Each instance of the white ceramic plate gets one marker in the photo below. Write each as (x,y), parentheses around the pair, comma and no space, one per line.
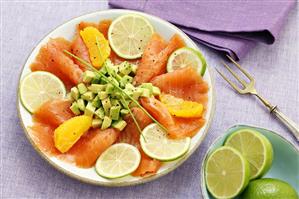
(67,30)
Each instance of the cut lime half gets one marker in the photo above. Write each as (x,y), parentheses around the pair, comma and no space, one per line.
(185,57)
(129,34)
(255,147)
(156,144)
(118,160)
(38,87)
(227,173)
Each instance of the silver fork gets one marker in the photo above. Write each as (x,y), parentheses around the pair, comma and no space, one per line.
(248,88)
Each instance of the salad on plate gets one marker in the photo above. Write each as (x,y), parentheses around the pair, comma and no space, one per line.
(117,97)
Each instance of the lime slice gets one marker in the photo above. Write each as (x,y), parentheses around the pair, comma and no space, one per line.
(118,160)
(156,144)
(255,147)
(184,57)
(129,34)
(38,87)
(227,172)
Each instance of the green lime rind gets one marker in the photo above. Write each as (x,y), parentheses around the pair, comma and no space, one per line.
(245,172)
(195,52)
(179,151)
(203,60)
(267,147)
(121,147)
(20,89)
(268,188)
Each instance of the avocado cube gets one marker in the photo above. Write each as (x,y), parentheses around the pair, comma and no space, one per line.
(102,95)
(96,102)
(88,76)
(113,80)
(148,86)
(88,96)
(95,88)
(96,123)
(109,88)
(124,112)
(69,97)
(106,122)
(114,112)
(75,108)
(130,87)
(116,94)
(126,79)
(145,92)
(106,104)
(100,113)
(125,68)
(89,110)
(81,104)
(120,124)
(115,102)
(156,91)
(75,93)
(96,80)
(134,68)
(82,88)
(137,93)
(103,70)
(125,103)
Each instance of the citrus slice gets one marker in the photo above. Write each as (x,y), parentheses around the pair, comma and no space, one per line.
(255,147)
(129,34)
(156,144)
(38,87)
(118,160)
(70,131)
(184,57)
(98,46)
(227,172)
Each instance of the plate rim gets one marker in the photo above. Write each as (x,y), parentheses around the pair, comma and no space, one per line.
(202,174)
(111,183)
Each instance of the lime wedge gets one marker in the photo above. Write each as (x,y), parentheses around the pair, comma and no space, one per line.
(118,160)
(184,57)
(38,87)
(255,147)
(226,172)
(156,144)
(129,34)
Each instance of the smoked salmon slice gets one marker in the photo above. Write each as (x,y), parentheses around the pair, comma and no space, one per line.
(54,112)
(90,146)
(52,59)
(155,56)
(43,136)
(184,83)
(131,136)
(177,127)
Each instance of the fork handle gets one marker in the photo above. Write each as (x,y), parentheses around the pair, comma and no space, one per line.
(290,124)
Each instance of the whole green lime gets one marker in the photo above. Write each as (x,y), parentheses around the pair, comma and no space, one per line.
(268,188)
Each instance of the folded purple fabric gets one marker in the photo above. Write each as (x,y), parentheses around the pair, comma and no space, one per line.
(232,27)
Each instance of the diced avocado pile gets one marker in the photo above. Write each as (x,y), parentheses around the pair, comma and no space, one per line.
(102,101)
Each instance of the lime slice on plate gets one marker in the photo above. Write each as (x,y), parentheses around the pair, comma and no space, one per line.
(184,57)
(227,172)
(129,34)
(156,144)
(255,147)
(38,87)
(118,160)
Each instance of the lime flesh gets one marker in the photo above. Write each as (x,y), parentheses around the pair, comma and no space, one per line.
(255,147)
(226,172)
(38,87)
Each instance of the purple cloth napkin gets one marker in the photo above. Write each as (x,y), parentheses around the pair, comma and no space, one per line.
(232,27)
